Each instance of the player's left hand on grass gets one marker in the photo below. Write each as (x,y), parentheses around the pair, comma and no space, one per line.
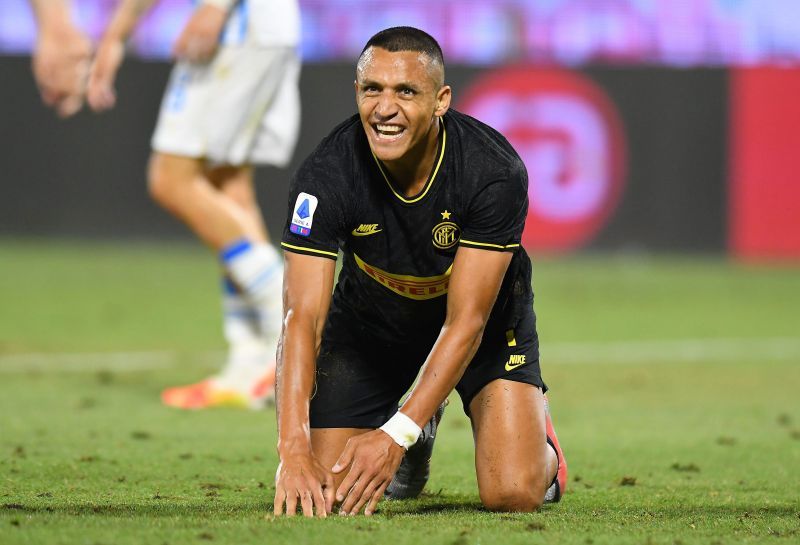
(199,38)
(372,459)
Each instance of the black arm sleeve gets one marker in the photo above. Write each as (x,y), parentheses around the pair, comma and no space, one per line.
(496,214)
(318,206)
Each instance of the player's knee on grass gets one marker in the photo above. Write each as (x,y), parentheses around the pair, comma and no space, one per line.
(521,493)
(513,501)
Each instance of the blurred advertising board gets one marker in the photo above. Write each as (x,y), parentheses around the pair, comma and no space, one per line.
(619,159)
(764,217)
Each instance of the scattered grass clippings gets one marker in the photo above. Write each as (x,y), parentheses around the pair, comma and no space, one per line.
(727,441)
(784,419)
(627,481)
(140,435)
(461,539)
(104,377)
(86,403)
(685,467)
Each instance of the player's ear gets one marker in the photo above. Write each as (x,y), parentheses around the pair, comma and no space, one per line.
(443,100)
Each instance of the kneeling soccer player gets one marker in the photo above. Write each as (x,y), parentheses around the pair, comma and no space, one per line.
(428,207)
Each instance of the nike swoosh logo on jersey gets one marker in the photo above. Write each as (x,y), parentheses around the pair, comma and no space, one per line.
(515,361)
(366,229)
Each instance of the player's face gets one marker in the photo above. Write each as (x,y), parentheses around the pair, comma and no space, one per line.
(400,99)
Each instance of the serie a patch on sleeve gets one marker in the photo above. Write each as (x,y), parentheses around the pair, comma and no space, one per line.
(303,215)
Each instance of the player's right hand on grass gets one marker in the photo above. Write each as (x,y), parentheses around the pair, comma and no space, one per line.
(371,460)
(100,93)
(301,477)
(60,65)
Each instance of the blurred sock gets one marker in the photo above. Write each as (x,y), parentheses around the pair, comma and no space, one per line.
(257,270)
(250,355)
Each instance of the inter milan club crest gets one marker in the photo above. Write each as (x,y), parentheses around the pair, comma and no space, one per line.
(446,234)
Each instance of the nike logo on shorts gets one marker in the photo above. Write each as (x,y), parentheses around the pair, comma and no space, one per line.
(514,361)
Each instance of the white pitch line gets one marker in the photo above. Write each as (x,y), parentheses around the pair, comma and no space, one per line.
(632,351)
(87,362)
(674,350)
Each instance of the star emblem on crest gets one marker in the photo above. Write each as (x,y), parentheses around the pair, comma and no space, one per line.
(446,215)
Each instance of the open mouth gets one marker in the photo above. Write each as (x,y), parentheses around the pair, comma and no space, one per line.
(388,133)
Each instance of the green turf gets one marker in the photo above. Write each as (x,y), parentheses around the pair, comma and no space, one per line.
(704,449)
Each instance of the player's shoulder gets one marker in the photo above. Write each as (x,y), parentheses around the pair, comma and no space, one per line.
(340,144)
(333,157)
(483,151)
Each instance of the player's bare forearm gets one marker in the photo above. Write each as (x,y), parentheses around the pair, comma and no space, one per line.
(474,284)
(60,60)
(295,380)
(125,18)
(51,11)
(308,283)
(301,479)
(373,457)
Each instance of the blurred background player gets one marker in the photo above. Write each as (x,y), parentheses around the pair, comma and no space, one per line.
(61,58)
(232,100)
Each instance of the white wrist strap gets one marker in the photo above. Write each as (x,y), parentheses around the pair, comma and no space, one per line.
(224,5)
(402,429)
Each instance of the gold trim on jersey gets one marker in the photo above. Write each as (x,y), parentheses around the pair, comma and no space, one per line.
(489,245)
(430,181)
(419,288)
(302,249)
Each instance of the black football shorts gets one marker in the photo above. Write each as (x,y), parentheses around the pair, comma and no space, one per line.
(359,384)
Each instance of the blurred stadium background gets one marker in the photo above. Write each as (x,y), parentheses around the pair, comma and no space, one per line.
(662,145)
(646,125)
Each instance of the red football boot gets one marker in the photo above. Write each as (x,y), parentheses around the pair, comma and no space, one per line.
(559,485)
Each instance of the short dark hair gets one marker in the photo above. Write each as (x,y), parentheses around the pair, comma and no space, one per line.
(406,38)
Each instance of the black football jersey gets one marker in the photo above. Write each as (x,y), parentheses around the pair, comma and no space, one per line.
(398,251)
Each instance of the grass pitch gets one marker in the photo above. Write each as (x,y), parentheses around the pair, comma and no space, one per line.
(674,391)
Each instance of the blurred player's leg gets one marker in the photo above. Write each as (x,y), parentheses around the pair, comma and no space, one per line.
(514,462)
(218,204)
(182,186)
(251,320)
(207,135)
